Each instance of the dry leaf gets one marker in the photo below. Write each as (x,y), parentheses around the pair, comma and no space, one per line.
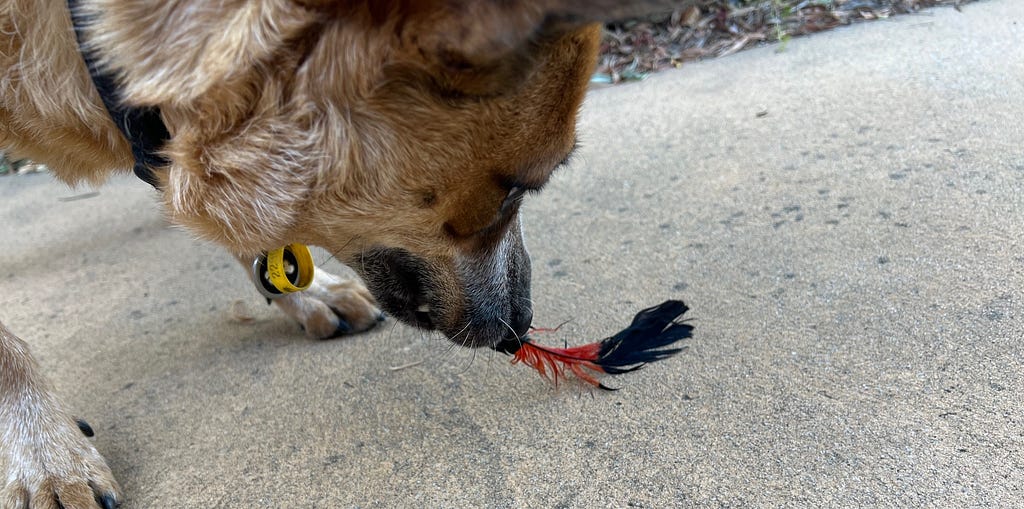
(691,16)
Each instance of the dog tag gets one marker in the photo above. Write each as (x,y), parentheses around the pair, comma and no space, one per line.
(282,271)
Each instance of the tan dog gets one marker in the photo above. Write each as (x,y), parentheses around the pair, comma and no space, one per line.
(399,135)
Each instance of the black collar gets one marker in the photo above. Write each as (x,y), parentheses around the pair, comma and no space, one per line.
(142,127)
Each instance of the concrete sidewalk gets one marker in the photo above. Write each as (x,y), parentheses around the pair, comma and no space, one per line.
(854,261)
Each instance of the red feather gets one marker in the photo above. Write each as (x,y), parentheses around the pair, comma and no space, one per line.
(551,362)
(645,340)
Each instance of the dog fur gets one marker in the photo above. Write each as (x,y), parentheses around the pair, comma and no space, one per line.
(400,135)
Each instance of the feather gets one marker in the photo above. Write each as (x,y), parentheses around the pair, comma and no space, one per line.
(649,338)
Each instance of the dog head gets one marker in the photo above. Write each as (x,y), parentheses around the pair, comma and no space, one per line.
(400,135)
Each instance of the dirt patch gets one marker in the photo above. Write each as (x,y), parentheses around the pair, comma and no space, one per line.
(635,48)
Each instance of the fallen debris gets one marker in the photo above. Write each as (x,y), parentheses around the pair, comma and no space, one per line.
(713,28)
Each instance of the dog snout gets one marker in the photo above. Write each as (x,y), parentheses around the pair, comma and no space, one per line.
(497,283)
(478,300)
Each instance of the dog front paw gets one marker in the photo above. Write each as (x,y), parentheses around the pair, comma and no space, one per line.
(47,463)
(332,307)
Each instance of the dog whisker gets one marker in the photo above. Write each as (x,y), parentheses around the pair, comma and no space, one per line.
(391,333)
(463,329)
(464,342)
(507,326)
(453,345)
(334,254)
(472,357)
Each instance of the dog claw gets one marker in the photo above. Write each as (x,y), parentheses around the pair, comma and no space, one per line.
(343,327)
(108,501)
(84,427)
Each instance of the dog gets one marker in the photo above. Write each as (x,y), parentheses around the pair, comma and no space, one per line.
(400,135)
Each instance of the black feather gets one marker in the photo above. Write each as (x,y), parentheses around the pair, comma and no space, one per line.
(646,339)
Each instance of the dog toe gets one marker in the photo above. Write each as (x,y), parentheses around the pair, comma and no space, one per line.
(59,493)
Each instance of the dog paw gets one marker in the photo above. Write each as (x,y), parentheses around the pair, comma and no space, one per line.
(47,463)
(332,307)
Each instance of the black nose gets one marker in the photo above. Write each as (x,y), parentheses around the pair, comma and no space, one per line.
(522,319)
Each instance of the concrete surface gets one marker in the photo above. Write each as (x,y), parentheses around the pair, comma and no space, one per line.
(853,259)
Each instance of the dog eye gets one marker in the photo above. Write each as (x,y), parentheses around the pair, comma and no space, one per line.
(515,194)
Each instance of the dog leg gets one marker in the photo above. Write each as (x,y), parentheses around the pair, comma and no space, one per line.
(45,461)
(332,306)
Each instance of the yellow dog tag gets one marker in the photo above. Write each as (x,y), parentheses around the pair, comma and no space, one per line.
(282,271)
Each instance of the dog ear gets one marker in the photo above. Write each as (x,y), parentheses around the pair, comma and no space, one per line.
(478,27)
(588,11)
(171,52)
(477,47)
